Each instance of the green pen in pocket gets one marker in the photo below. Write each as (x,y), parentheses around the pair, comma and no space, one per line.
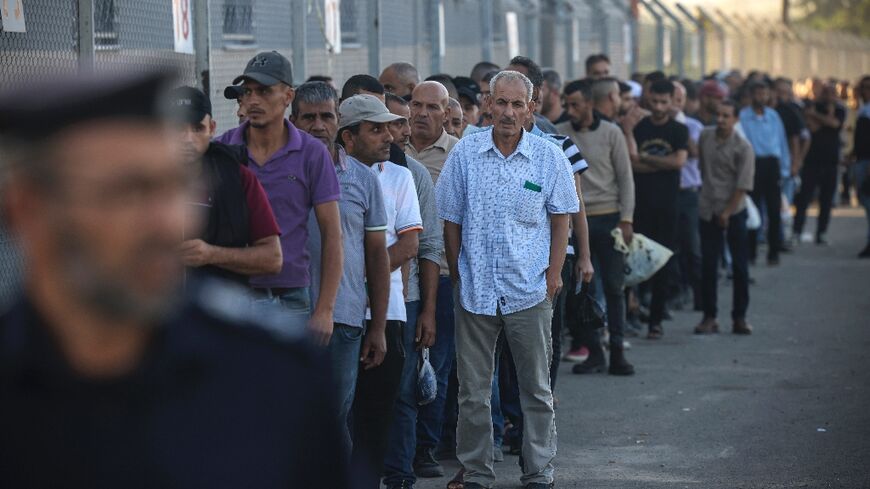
(531,186)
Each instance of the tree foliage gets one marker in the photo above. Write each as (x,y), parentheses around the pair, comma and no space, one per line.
(843,15)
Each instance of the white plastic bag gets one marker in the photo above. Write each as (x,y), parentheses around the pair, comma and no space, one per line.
(643,257)
(753,217)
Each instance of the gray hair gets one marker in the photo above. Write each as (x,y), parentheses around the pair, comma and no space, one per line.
(552,79)
(602,88)
(405,71)
(314,93)
(510,76)
(453,103)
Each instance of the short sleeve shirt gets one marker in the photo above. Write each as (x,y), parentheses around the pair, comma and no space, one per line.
(825,143)
(362,211)
(433,156)
(660,140)
(298,177)
(726,166)
(503,204)
(403,216)
(261,220)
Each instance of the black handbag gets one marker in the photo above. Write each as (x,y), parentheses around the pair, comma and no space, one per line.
(590,312)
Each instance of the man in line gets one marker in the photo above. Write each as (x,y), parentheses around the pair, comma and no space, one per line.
(365,275)
(727,166)
(710,95)
(766,133)
(469,99)
(114,374)
(688,252)
(400,79)
(609,203)
(298,175)
(364,134)
(430,144)
(420,303)
(597,66)
(453,121)
(795,130)
(481,69)
(605,96)
(531,70)
(240,238)
(825,119)
(551,97)
(506,262)
(662,149)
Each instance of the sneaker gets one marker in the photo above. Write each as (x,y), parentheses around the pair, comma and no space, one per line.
(865,253)
(497,453)
(822,240)
(578,355)
(806,237)
(425,465)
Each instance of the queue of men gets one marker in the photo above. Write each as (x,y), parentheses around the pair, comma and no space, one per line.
(454,221)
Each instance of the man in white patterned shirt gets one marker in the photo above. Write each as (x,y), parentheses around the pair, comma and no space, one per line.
(505,196)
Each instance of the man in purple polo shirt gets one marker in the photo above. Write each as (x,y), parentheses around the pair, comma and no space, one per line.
(297,173)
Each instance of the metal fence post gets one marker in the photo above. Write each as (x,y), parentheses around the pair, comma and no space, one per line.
(680,47)
(86,35)
(702,37)
(625,7)
(722,38)
(486,29)
(600,20)
(299,40)
(532,29)
(373,13)
(200,42)
(435,35)
(660,35)
(567,13)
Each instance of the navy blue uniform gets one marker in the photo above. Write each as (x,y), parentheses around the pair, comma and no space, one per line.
(216,402)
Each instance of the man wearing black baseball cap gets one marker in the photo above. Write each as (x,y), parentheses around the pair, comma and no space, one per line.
(240,238)
(469,98)
(298,174)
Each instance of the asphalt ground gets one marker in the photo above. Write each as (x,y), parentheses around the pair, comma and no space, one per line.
(786,407)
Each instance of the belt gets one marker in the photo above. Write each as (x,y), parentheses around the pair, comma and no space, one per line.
(271,291)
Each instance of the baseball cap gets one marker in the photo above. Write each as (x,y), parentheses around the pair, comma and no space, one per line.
(188,104)
(712,88)
(359,108)
(267,68)
(466,87)
(636,88)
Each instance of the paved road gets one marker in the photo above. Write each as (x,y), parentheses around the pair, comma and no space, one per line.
(786,407)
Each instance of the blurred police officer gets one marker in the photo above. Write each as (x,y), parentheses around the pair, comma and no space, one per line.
(240,238)
(109,376)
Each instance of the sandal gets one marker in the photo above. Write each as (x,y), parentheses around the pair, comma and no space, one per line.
(655,332)
(458,480)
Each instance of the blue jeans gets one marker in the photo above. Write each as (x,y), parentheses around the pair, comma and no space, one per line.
(344,350)
(398,462)
(290,310)
(861,172)
(430,418)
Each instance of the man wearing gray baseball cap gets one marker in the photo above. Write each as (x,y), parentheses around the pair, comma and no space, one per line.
(365,136)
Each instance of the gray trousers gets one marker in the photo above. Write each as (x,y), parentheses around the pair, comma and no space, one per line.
(529,336)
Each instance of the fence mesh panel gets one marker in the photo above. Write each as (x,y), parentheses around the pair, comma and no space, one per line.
(48,47)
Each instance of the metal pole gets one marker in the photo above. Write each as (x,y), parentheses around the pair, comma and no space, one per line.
(681,48)
(200,41)
(568,15)
(600,21)
(702,37)
(722,37)
(737,29)
(373,14)
(532,24)
(660,35)
(435,30)
(299,40)
(625,7)
(548,33)
(86,35)
(486,29)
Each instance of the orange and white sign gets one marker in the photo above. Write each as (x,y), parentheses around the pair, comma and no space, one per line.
(12,13)
(182,25)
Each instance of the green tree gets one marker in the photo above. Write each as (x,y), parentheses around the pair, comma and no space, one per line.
(843,15)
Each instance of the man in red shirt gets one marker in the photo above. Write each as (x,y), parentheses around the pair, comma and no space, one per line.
(240,238)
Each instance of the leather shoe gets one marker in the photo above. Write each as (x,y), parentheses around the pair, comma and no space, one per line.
(741,327)
(707,326)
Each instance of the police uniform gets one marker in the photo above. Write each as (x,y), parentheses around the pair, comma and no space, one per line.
(218,400)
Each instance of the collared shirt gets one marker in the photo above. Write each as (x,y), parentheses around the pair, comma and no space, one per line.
(214,397)
(766,134)
(726,166)
(503,204)
(567,145)
(690,176)
(403,216)
(298,177)
(434,155)
(362,211)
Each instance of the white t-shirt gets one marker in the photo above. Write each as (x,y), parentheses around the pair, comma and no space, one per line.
(403,216)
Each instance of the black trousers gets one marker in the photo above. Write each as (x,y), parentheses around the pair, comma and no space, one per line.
(767,191)
(376,392)
(712,245)
(821,175)
(655,216)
